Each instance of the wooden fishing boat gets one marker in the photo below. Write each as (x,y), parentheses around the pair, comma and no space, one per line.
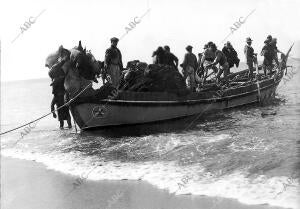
(131,108)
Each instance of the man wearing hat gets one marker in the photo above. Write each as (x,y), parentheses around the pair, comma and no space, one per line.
(189,66)
(250,56)
(267,53)
(113,62)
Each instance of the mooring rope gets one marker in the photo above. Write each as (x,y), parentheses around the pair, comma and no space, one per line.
(66,104)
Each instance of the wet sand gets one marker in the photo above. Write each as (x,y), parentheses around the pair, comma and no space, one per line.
(30,185)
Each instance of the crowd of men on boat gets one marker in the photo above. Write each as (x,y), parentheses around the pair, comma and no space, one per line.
(220,61)
(193,68)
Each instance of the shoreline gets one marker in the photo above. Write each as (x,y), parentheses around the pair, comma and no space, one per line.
(29,184)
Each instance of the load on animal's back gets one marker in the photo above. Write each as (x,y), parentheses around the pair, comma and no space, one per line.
(84,60)
(78,67)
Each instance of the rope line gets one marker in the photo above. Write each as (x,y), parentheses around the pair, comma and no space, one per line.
(66,104)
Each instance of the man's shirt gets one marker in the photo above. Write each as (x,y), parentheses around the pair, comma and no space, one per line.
(190,60)
(113,56)
(249,53)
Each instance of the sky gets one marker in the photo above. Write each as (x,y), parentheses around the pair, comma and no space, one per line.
(176,23)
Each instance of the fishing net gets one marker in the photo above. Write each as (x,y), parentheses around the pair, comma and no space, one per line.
(141,77)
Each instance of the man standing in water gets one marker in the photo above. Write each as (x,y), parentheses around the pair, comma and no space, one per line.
(58,91)
(63,113)
(250,57)
(113,62)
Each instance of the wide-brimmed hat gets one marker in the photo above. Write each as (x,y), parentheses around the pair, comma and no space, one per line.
(205,46)
(114,39)
(188,47)
(248,39)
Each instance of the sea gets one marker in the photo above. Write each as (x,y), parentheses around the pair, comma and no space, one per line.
(249,153)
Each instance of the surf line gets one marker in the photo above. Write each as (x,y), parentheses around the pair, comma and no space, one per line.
(43,116)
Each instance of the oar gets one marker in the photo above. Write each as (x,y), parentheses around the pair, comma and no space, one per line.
(257,82)
(75,125)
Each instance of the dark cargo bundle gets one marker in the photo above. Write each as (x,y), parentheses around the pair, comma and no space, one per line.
(141,77)
(133,76)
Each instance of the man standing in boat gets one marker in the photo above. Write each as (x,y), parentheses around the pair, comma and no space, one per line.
(189,66)
(170,58)
(200,72)
(113,62)
(207,58)
(266,52)
(220,59)
(250,57)
(231,55)
(275,50)
(159,56)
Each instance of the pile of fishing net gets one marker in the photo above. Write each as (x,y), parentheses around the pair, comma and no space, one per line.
(140,77)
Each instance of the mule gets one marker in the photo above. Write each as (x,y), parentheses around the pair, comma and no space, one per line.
(70,62)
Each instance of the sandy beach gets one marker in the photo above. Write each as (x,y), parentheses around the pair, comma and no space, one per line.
(29,185)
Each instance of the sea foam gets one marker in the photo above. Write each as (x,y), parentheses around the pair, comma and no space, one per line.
(193,179)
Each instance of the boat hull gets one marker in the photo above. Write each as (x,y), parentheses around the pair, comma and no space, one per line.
(120,112)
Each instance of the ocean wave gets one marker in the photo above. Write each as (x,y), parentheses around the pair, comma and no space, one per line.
(191,179)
